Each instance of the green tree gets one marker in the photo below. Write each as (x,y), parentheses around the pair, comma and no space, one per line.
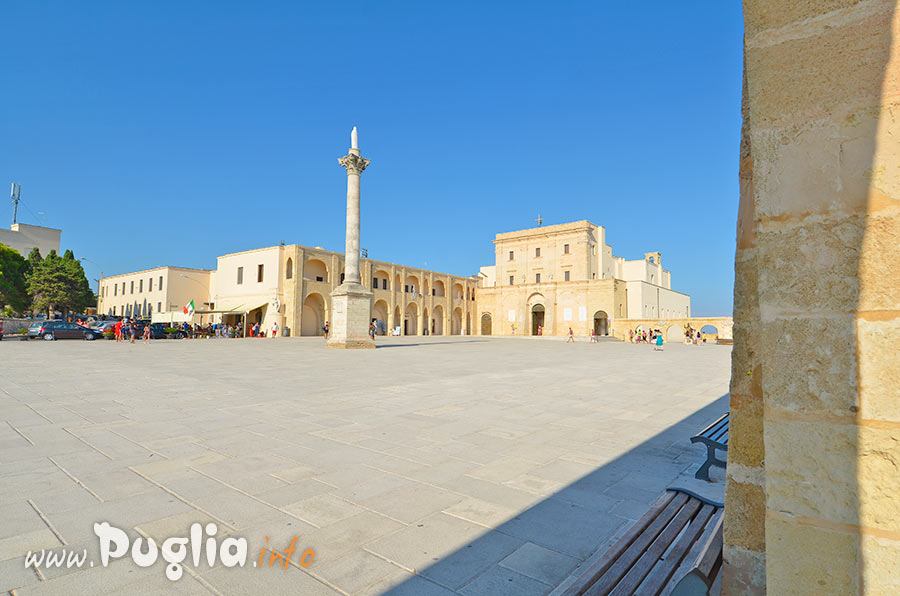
(34,258)
(13,271)
(59,283)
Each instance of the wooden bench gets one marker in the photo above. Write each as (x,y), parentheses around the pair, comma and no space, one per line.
(675,549)
(715,437)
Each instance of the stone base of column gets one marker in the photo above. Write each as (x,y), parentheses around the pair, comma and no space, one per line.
(351,309)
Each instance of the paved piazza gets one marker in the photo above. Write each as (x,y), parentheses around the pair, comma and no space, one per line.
(430,466)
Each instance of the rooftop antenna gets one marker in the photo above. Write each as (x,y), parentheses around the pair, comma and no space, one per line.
(14,193)
(539,220)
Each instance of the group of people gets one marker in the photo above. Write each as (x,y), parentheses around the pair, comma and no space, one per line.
(647,337)
(128,328)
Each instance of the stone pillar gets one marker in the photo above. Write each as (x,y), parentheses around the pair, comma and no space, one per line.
(351,302)
(812,510)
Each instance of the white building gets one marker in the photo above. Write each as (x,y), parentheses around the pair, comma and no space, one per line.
(23,237)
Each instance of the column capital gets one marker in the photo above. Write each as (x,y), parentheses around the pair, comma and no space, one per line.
(353,163)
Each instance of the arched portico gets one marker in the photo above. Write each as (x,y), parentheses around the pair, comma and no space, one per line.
(315,270)
(312,318)
(380,314)
(437,322)
(411,319)
(456,321)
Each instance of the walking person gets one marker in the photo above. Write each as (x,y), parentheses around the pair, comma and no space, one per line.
(131,332)
(593,337)
(571,338)
(659,342)
(274,330)
(325,329)
(118,330)
(372,330)
(146,334)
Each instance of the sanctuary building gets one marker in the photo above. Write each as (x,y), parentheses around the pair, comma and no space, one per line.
(543,281)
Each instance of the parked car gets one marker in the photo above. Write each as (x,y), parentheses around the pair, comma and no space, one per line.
(158,331)
(34,329)
(51,330)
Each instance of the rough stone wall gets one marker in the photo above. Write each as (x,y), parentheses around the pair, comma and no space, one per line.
(817,304)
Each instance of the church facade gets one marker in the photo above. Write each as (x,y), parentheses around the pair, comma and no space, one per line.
(549,279)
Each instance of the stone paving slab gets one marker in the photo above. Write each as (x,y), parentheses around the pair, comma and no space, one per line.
(436,466)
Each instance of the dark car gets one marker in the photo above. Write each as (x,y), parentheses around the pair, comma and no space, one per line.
(52,330)
(158,331)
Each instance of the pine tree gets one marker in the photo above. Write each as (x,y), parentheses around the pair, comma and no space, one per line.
(13,271)
(59,283)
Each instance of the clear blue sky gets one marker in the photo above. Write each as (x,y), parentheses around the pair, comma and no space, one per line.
(167,133)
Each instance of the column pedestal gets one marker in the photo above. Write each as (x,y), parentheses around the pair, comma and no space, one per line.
(351,308)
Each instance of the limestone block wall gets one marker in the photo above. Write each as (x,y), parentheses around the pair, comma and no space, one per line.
(814,454)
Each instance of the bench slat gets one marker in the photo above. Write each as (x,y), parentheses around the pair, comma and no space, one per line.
(697,550)
(712,556)
(618,568)
(599,567)
(722,421)
(652,555)
(655,582)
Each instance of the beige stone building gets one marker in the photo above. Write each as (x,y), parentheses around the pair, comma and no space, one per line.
(23,237)
(562,276)
(291,286)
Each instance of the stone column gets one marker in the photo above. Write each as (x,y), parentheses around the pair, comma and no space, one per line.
(351,302)
(812,508)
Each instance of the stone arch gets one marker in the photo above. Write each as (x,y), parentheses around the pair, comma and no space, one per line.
(675,333)
(426,322)
(486,324)
(413,283)
(289,269)
(411,319)
(398,318)
(601,323)
(397,285)
(380,275)
(437,323)
(456,321)
(315,270)
(313,317)
(709,333)
(439,288)
(380,314)
(425,288)
(458,292)
(538,312)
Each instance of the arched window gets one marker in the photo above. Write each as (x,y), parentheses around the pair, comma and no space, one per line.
(289,274)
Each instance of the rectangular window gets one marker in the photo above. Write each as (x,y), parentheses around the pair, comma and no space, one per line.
(320,278)
(159,307)
(566,275)
(141,286)
(160,282)
(150,283)
(433,292)
(511,279)
(406,288)
(116,290)
(537,252)
(537,278)
(259,273)
(565,249)
(114,311)
(149,309)
(384,284)
(511,255)
(132,287)
(240,278)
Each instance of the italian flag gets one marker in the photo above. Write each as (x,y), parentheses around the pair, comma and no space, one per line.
(189,308)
